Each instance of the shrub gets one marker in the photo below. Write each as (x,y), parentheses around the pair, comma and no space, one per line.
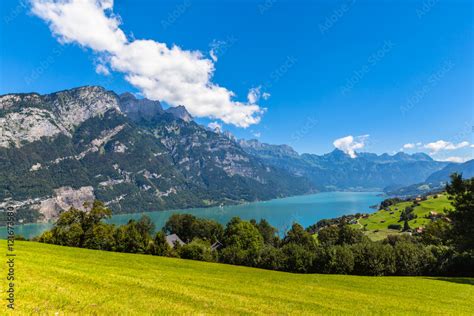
(297,258)
(372,258)
(271,258)
(341,260)
(395,226)
(197,250)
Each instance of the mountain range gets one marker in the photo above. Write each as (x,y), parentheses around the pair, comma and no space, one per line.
(66,148)
(339,171)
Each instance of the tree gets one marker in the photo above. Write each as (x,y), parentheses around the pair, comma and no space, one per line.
(461,194)
(340,259)
(406,226)
(160,246)
(132,238)
(298,235)
(243,243)
(329,236)
(349,235)
(188,227)
(100,237)
(437,233)
(268,232)
(271,258)
(198,250)
(373,258)
(297,258)
(408,259)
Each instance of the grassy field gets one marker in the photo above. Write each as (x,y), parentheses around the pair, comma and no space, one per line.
(52,279)
(377,223)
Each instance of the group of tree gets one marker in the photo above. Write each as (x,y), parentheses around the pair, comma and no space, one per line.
(444,248)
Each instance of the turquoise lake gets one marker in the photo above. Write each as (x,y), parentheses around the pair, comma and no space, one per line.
(281,213)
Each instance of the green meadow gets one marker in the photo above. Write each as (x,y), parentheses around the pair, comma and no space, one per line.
(377,223)
(53,279)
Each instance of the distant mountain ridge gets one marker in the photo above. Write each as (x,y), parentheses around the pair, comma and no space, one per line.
(436,181)
(338,171)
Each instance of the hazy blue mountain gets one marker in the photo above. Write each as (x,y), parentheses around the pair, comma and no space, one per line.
(442,176)
(338,171)
(436,181)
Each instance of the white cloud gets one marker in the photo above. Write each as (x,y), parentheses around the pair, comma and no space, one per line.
(442,145)
(257,134)
(409,146)
(213,55)
(102,70)
(456,159)
(256,93)
(169,74)
(215,126)
(350,144)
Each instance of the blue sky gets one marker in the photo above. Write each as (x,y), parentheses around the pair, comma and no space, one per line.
(399,71)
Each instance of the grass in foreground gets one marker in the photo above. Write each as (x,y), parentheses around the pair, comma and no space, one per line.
(377,223)
(53,279)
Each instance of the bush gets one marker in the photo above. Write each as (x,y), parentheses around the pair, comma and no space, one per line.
(197,250)
(372,258)
(297,258)
(408,259)
(328,236)
(271,258)
(395,226)
(340,260)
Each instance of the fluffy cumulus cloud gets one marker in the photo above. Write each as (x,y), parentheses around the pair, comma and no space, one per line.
(442,145)
(160,72)
(102,70)
(215,126)
(350,144)
(256,93)
(409,146)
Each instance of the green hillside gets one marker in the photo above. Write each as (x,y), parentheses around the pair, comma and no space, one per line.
(52,279)
(378,222)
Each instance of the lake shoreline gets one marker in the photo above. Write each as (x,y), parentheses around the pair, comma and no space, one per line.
(280,212)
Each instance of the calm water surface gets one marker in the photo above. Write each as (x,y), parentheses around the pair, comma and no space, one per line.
(281,213)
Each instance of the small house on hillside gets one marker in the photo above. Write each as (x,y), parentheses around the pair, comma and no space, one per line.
(173,240)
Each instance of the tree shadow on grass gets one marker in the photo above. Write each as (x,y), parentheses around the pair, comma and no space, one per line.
(459,280)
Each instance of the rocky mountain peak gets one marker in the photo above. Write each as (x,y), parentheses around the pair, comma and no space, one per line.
(29,117)
(180,112)
(139,109)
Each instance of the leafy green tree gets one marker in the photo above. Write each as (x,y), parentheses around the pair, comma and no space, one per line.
(268,232)
(298,235)
(406,226)
(461,194)
(243,243)
(408,259)
(160,246)
(329,236)
(297,258)
(437,233)
(340,259)
(350,236)
(188,227)
(373,258)
(130,238)
(271,258)
(100,237)
(198,250)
